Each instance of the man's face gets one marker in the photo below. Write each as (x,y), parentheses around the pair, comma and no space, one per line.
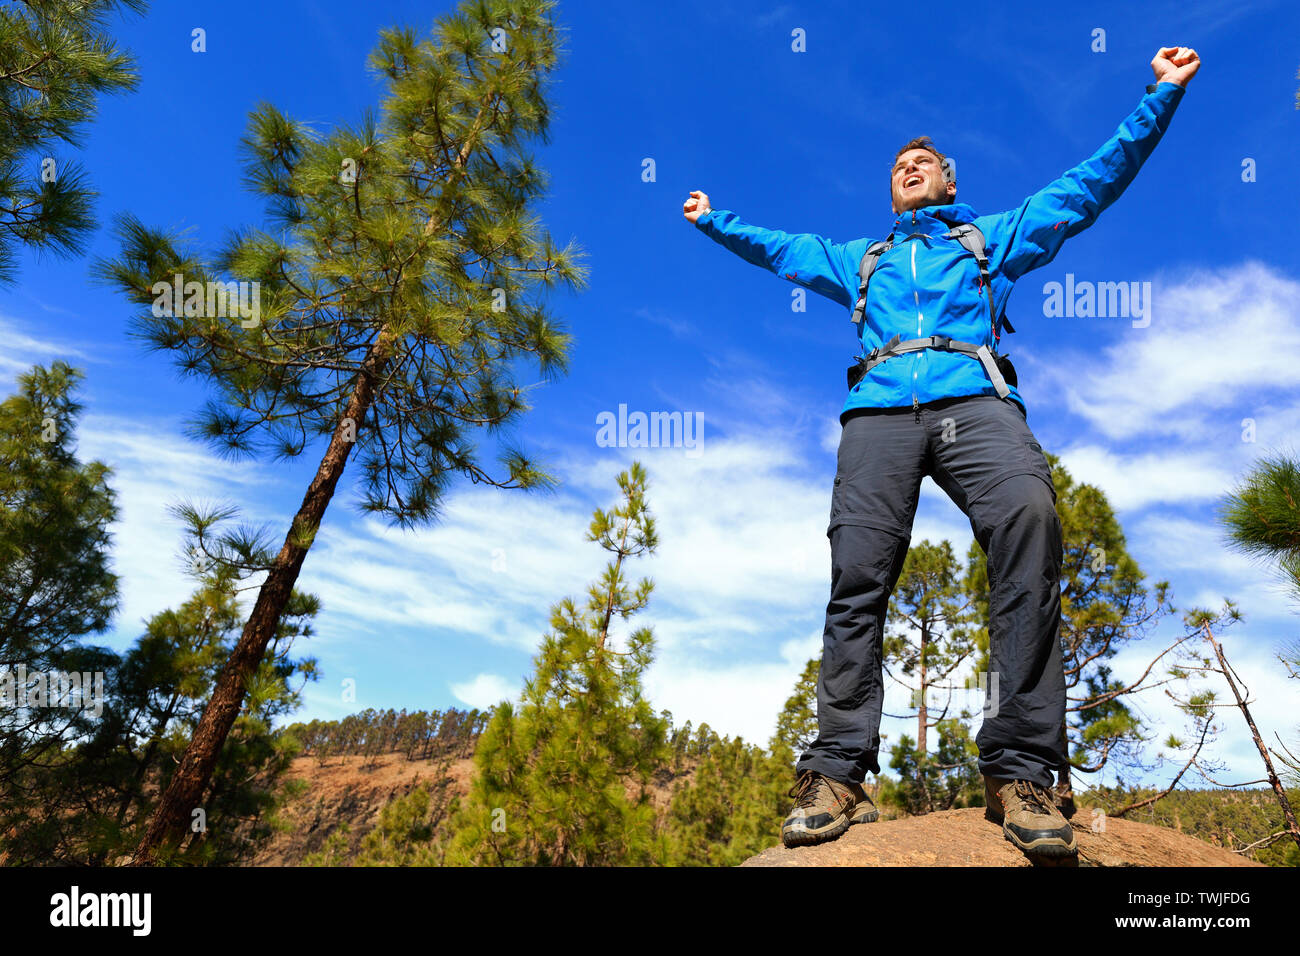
(917,181)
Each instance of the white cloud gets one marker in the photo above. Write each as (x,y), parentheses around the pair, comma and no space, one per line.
(1216,338)
(1133,481)
(485,691)
(742,700)
(829,439)
(738,700)
(1201,549)
(153,467)
(490,568)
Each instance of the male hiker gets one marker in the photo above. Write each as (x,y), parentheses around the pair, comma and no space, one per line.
(930,396)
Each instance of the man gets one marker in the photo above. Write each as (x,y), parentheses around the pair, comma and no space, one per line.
(932,398)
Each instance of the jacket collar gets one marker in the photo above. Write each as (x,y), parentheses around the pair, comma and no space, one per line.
(931,220)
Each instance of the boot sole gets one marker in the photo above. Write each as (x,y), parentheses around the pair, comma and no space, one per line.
(1051,847)
(800,835)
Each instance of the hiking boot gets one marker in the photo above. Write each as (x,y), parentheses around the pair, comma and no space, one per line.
(825,808)
(1029,817)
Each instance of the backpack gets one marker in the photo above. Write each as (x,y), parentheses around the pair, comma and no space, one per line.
(999,367)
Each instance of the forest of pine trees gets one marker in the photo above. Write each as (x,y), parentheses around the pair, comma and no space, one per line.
(418,735)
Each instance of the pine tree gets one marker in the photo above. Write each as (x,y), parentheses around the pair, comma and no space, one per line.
(1262,516)
(401,280)
(405,835)
(563,776)
(89,804)
(55,582)
(931,636)
(796,725)
(730,809)
(56,58)
(949,777)
(732,806)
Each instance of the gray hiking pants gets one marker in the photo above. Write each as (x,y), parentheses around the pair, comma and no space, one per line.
(980,451)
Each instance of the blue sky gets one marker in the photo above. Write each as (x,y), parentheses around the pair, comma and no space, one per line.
(714,94)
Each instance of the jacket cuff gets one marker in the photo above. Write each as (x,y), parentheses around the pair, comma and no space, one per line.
(1165,89)
(709,219)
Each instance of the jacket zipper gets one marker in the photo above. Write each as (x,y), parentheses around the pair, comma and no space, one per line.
(916,298)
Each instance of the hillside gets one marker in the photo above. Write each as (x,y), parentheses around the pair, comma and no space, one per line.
(354,789)
(351,790)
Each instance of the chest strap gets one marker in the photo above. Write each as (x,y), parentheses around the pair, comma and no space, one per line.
(898,346)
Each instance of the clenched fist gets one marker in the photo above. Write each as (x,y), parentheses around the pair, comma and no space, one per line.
(1175,64)
(696,206)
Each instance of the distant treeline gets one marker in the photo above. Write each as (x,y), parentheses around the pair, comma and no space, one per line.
(418,735)
(429,734)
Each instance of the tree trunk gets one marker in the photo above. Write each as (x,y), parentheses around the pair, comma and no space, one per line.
(1064,795)
(185,791)
(923,714)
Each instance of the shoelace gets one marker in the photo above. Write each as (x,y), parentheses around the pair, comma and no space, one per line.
(1035,797)
(806,789)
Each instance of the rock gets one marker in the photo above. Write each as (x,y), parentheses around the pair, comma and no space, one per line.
(965,838)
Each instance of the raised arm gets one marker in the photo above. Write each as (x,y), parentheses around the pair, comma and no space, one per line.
(1032,234)
(827,268)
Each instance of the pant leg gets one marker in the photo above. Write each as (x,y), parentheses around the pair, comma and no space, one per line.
(882,459)
(988,461)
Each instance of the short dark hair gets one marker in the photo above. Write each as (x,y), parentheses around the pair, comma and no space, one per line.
(924,142)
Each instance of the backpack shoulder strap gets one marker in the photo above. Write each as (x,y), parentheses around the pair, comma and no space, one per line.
(969,235)
(865,268)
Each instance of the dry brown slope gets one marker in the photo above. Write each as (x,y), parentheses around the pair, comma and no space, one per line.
(354,789)
(965,838)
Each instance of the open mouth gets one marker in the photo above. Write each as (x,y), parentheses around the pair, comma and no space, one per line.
(911,181)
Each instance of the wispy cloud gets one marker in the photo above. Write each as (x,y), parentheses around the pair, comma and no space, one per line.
(153,466)
(680,328)
(20,349)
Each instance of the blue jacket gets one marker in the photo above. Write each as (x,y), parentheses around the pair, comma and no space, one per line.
(927,285)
